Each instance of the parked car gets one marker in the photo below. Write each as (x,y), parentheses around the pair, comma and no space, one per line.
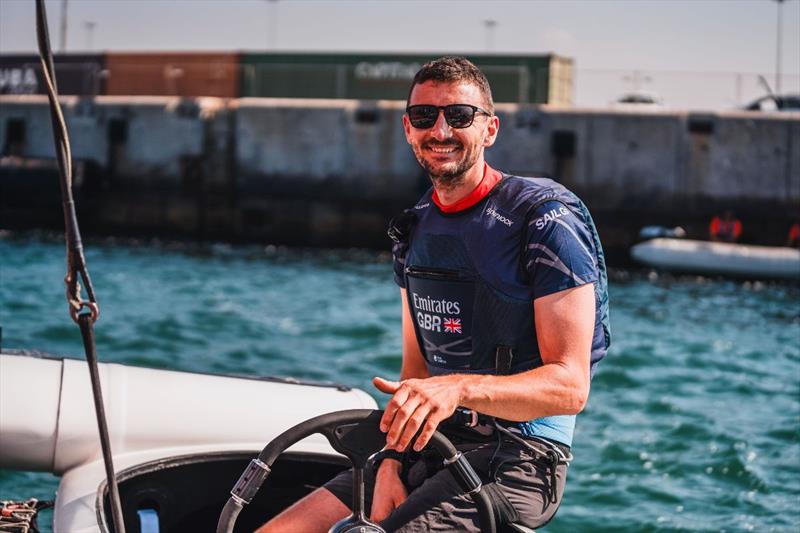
(773,103)
(639,100)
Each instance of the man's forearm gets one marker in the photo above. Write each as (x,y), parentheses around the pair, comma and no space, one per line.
(549,390)
(413,364)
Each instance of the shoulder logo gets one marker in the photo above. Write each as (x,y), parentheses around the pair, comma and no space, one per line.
(422,206)
(492,212)
(551,215)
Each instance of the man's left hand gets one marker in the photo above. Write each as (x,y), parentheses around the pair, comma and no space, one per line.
(415,404)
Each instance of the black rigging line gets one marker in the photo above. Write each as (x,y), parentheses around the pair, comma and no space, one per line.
(76,263)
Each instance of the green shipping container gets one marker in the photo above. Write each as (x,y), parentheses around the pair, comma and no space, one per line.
(544,79)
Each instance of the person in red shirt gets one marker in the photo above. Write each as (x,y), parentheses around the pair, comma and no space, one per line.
(727,228)
(794,236)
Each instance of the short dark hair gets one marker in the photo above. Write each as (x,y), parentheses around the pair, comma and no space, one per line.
(452,69)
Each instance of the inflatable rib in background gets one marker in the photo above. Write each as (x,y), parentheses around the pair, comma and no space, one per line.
(716,258)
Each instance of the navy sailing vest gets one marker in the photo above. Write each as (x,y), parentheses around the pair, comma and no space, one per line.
(469,292)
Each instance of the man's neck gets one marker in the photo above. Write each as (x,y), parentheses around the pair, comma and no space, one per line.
(472,177)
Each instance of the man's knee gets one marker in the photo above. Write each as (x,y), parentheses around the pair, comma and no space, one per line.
(317,511)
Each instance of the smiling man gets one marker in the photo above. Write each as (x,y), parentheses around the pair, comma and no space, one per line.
(504,317)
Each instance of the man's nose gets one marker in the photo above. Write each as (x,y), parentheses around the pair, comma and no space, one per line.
(441,129)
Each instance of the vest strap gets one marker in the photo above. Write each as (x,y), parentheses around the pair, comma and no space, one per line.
(503,358)
(504,511)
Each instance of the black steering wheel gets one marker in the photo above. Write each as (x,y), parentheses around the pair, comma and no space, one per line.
(355,434)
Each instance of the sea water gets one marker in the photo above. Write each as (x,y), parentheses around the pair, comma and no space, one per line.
(693,422)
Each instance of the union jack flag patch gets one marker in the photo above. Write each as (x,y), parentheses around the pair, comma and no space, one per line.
(452,325)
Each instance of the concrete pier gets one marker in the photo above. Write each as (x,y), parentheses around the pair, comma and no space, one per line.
(332,172)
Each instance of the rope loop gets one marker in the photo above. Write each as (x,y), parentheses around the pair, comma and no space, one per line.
(75,312)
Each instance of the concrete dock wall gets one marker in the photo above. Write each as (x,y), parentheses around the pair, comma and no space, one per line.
(141,138)
(318,172)
(323,147)
(658,159)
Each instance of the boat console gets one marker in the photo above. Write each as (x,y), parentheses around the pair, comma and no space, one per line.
(186,493)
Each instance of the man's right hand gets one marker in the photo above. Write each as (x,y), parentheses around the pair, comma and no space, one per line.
(389,490)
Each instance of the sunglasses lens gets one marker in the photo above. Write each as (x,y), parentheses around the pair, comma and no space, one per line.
(423,116)
(456,115)
(459,116)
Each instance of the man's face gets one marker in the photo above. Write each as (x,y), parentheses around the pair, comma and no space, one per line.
(444,152)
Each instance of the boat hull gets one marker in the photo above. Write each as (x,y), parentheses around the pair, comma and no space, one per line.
(47,421)
(719,258)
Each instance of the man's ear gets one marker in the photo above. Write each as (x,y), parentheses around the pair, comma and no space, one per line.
(407,128)
(492,129)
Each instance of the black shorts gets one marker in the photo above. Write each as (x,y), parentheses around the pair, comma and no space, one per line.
(436,502)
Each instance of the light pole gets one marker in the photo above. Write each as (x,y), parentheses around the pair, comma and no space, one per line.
(62,41)
(778,46)
(89,26)
(490,25)
(272,24)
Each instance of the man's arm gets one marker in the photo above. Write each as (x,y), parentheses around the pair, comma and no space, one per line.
(389,491)
(413,361)
(564,329)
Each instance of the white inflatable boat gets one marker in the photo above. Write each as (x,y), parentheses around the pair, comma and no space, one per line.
(180,440)
(719,258)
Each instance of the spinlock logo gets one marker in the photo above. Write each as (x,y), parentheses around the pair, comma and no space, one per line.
(492,212)
(551,215)
(422,206)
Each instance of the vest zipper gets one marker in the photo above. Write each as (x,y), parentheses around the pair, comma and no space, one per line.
(435,273)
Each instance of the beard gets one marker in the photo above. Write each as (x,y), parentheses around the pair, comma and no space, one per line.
(448,175)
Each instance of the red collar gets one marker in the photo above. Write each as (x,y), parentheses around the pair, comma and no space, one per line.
(490,178)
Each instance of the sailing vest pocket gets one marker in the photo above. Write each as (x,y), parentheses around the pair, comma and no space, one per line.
(441,303)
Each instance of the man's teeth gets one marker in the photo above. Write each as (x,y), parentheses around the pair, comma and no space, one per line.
(443,150)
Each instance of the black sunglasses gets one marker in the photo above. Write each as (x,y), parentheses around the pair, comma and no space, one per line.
(457,115)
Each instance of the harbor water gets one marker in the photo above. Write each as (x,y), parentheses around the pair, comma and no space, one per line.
(693,422)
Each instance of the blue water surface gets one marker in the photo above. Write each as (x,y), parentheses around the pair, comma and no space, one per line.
(693,422)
